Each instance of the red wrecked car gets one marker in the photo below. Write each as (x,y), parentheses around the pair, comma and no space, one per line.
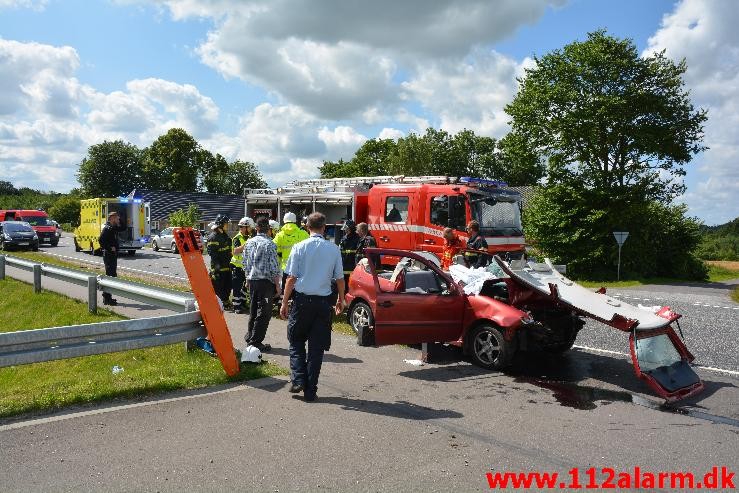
(495,311)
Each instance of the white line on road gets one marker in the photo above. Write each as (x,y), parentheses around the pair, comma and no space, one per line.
(706,368)
(120,266)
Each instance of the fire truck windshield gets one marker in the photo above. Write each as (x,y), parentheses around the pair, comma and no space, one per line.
(498,216)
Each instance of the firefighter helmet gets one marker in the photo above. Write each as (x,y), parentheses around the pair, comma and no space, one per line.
(289,217)
(247,221)
(221,219)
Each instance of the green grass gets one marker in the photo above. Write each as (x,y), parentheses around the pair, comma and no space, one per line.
(735,294)
(55,384)
(715,274)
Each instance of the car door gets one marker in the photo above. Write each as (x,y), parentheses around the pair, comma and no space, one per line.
(661,359)
(167,237)
(426,306)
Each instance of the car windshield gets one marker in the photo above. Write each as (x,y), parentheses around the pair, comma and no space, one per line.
(37,221)
(497,216)
(17,227)
(656,352)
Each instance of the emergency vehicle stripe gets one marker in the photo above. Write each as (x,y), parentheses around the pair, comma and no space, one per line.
(439,232)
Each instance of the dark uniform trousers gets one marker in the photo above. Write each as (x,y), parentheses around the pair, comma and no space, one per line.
(261,296)
(309,321)
(237,286)
(110,260)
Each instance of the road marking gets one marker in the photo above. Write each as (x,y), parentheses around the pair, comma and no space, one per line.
(181,278)
(706,368)
(249,385)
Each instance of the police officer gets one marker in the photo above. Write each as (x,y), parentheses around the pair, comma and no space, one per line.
(219,249)
(348,247)
(312,265)
(246,225)
(475,242)
(109,245)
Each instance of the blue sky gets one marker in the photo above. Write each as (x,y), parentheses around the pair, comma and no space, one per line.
(286,84)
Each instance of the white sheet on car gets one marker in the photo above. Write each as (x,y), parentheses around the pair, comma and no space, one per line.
(473,279)
(540,275)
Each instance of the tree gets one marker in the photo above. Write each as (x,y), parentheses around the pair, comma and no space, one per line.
(616,130)
(517,162)
(234,178)
(185,217)
(371,159)
(173,162)
(609,120)
(111,169)
(7,188)
(66,210)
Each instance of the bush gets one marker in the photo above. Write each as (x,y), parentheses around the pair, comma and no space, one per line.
(576,227)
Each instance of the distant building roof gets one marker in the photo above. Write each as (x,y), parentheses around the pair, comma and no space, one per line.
(163,203)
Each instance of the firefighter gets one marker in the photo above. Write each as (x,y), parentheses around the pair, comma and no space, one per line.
(246,226)
(366,240)
(274,228)
(475,242)
(289,235)
(219,249)
(348,247)
(452,246)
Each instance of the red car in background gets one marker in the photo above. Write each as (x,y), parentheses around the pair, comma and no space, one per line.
(521,306)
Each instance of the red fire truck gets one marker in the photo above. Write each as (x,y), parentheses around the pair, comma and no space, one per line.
(407,213)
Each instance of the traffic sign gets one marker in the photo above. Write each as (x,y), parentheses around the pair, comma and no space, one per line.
(620,236)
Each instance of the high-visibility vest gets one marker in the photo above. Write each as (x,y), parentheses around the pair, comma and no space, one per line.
(237,259)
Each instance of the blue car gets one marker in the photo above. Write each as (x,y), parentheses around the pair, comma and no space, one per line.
(19,235)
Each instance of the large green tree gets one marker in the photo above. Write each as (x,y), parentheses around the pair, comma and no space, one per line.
(234,178)
(173,162)
(110,169)
(66,210)
(616,131)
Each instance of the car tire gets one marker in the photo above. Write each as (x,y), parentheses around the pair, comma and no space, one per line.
(77,247)
(54,243)
(34,247)
(154,246)
(174,247)
(488,348)
(2,246)
(131,253)
(362,321)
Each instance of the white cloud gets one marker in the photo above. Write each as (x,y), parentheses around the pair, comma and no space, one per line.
(341,142)
(49,119)
(468,94)
(704,33)
(37,5)
(390,133)
(337,59)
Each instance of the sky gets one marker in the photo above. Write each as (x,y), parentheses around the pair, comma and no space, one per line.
(287,84)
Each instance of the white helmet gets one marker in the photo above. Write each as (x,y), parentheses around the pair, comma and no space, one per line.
(289,217)
(274,225)
(213,226)
(251,354)
(247,221)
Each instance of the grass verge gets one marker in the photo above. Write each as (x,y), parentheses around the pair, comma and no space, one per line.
(717,272)
(51,385)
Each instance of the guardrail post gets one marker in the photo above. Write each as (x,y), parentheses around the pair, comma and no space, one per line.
(37,278)
(92,294)
(2,267)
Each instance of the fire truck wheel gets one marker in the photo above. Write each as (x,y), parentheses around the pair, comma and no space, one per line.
(361,320)
(488,347)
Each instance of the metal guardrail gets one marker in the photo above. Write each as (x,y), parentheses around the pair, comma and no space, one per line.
(35,346)
(161,297)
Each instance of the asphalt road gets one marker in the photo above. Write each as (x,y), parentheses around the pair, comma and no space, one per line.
(380,424)
(710,320)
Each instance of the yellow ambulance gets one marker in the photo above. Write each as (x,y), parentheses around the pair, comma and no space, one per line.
(133,213)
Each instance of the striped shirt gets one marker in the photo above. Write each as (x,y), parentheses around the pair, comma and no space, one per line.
(260,258)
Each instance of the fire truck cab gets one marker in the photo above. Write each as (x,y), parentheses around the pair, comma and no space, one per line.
(407,213)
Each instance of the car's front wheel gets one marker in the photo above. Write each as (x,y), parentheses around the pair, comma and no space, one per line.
(154,246)
(174,247)
(362,321)
(489,349)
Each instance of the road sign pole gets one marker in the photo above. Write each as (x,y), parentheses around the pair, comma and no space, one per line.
(620,239)
(618,269)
